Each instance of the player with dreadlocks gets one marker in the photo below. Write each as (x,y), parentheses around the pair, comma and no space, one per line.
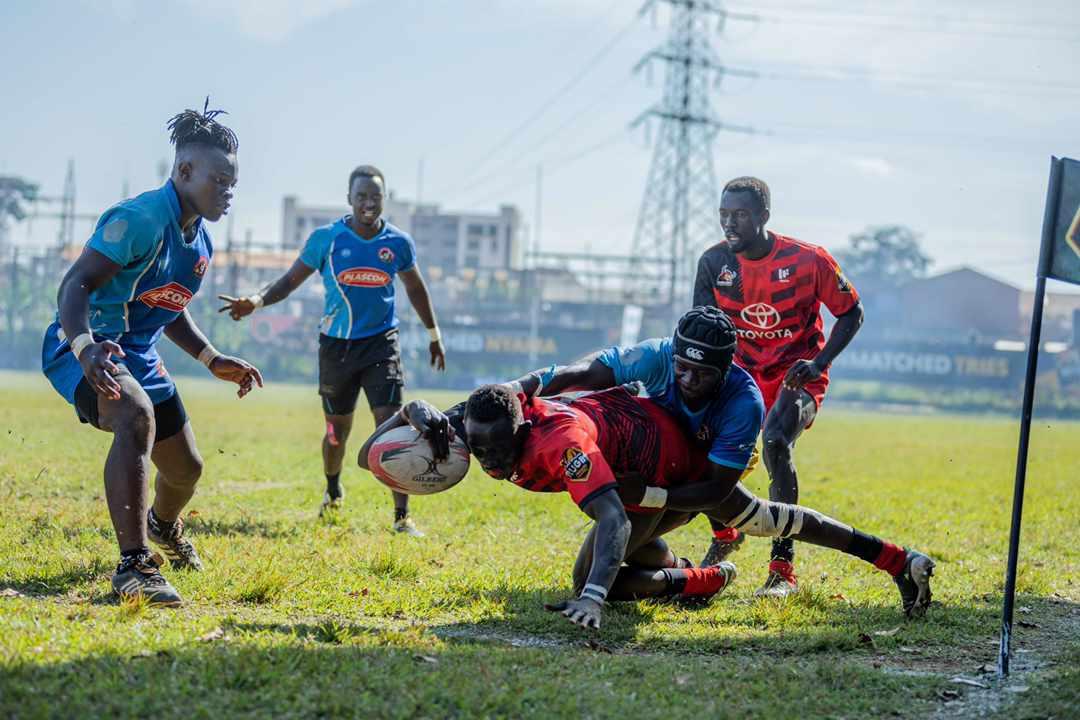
(691,376)
(772,287)
(131,284)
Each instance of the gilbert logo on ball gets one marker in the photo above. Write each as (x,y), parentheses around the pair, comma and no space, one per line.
(403,461)
(363,277)
(173,297)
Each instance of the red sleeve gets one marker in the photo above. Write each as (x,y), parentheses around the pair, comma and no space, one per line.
(832,287)
(569,456)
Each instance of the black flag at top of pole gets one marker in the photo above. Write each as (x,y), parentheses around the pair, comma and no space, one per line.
(1059,258)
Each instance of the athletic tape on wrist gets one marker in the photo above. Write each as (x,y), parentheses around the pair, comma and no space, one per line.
(594,592)
(257,300)
(655,497)
(545,376)
(208,355)
(79,343)
(434,334)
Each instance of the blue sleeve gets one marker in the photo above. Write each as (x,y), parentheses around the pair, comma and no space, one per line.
(125,236)
(315,249)
(645,362)
(408,254)
(735,431)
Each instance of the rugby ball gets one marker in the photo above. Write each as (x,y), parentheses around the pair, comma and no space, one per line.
(402,460)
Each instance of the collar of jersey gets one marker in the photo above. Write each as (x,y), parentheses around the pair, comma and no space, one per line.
(345,224)
(772,252)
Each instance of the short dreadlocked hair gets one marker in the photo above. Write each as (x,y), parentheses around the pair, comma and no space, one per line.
(366,171)
(489,403)
(751,185)
(193,127)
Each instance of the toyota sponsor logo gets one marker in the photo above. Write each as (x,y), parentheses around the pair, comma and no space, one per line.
(173,297)
(694,354)
(760,315)
(363,277)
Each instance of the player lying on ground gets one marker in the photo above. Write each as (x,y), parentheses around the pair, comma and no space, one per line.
(719,406)
(772,287)
(581,446)
(132,282)
(357,257)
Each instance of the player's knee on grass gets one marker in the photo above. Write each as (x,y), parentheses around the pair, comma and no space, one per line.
(653,555)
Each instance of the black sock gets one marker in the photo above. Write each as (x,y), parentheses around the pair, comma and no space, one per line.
(400,513)
(783,549)
(333,485)
(865,547)
(134,552)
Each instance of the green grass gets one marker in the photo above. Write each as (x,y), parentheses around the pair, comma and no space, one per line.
(299,617)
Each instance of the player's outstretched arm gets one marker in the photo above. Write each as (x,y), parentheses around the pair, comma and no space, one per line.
(190,339)
(239,307)
(584,375)
(89,272)
(428,420)
(417,291)
(609,550)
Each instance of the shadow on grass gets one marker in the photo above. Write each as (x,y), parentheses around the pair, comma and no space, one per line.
(201,525)
(60,582)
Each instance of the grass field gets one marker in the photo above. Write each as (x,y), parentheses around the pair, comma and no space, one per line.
(296,617)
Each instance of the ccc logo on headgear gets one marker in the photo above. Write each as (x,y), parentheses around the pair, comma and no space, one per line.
(694,354)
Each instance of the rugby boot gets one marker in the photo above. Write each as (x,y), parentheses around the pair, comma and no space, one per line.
(914,583)
(331,503)
(724,543)
(408,527)
(138,575)
(781,581)
(702,584)
(170,538)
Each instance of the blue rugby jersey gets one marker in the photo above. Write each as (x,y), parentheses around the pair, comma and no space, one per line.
(159,274)
(358,277)
(728,425)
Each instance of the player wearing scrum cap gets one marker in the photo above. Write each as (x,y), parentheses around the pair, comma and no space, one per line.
(131,284)
(358,257)
(692,375)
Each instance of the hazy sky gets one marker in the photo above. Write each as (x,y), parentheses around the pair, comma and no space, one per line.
(940,115)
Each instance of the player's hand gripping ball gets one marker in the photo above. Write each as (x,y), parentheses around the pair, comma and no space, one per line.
(403,460)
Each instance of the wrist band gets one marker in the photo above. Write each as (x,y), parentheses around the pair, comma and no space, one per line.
(596,593)
(655,497)
(257,300)
(79,343)
(434,334)
(208,355)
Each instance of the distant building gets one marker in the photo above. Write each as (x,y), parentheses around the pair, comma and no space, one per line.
(446,242)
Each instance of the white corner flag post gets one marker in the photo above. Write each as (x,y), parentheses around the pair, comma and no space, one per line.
(1059,258)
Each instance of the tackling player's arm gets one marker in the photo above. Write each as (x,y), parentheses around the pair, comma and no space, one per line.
(88,273)
(584,375)
(703,293)
(186,334)
(272,293)
(715,486)
(417,291)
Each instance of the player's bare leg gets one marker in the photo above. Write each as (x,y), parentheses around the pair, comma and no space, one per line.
(910,569)
(402,522)
(130,419)
(179,466)
(792,413)
(338,428)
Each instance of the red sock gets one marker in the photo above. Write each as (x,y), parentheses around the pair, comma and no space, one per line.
(784,569)
(727,535)
(891,559)
(703,581)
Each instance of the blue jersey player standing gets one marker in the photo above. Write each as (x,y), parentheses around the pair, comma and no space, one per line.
(693,376)
(131,284)
(357,257)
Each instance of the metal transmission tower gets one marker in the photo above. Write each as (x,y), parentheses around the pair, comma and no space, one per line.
(678,215)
